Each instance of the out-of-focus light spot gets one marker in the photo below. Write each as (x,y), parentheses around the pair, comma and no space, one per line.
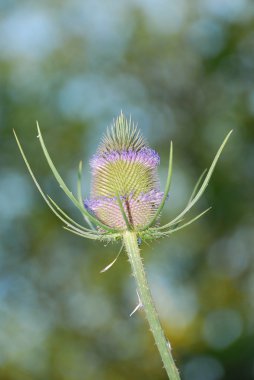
(15,196)
(103,25)
(89,96)
(203,368)
(75,359)
(28,33)
(177,303)
(176,260)
(207,37)
(25,324)
(227,9)
(88,310)
(222,327)
(127,347)
(164,16)
(59,272)
(23,86)
(160,118)
(231,256)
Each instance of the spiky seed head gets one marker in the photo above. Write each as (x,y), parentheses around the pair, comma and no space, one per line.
(122,135)
(124,167)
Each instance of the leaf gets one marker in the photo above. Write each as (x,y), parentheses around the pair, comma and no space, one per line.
(45,197)
(194,192)
(82,233)
(128,225)
(65,188)
(113,262)
(203,186)
(187,223)
(68,218)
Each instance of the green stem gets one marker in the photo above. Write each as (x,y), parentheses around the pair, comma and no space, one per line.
(130,241)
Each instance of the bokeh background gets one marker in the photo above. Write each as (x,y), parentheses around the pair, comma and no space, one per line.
(184,70)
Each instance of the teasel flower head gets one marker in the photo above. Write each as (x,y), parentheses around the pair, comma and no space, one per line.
(124,171)
(125,192)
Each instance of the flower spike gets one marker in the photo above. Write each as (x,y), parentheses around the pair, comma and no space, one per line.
(125,191)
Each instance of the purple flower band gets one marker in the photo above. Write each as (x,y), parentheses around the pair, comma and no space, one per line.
(153,196)
(146,156)
(139,209)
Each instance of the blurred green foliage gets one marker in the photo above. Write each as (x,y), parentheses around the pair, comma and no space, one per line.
(184,71)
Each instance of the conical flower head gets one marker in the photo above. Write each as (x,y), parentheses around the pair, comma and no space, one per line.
(124,170)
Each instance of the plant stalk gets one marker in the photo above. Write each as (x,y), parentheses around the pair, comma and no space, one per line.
(133,251)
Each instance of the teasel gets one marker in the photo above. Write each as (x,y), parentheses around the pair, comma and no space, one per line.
(125,204)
